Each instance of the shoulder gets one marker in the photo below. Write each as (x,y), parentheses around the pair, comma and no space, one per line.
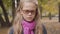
(40,28)
(11,30)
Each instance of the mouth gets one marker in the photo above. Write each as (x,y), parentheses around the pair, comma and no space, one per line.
(29,17)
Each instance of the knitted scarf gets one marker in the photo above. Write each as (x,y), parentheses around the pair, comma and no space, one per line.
(28,27)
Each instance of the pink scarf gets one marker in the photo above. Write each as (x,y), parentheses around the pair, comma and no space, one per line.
(28,27)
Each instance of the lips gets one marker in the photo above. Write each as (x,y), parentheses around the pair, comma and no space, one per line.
(29,17)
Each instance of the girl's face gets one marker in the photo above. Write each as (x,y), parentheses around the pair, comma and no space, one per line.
(28,11)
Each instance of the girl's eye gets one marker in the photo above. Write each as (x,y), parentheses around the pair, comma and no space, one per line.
(27,11)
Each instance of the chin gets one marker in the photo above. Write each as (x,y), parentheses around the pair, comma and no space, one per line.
(29,20)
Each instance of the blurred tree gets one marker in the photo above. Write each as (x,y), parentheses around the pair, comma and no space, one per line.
(48,5)
(7,4)
(13,8)
(15,4)
(5,15)
(41,2)
(18,2)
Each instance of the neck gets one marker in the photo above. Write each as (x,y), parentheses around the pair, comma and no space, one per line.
(28,21)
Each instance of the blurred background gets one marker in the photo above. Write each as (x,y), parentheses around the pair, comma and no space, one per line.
(49,12)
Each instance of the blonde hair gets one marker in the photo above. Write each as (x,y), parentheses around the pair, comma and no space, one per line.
(18,18)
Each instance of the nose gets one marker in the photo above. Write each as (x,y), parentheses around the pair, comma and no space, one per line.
(29,13)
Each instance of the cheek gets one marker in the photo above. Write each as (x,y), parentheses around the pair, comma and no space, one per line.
(33,16)
(24,16)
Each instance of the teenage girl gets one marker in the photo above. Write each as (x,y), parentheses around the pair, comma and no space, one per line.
(27,19)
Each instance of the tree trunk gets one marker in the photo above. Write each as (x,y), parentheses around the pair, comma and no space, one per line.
(13,8)
(18,2)
(2,22)
(50,17)
(41,11)
(59,11)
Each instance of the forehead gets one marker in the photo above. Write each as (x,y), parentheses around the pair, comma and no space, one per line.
(29,6)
